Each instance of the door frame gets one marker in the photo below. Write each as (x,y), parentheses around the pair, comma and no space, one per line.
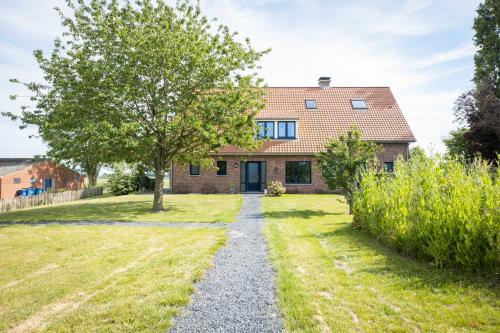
(259,184)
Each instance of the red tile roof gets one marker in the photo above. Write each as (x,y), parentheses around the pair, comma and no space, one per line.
(383,121)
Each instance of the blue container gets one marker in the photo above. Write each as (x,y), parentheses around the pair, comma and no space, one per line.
(38,191)
(31,191)
(24,192)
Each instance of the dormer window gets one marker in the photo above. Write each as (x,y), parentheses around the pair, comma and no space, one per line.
(286,130)
(266,129)
(311,104)
(359,104)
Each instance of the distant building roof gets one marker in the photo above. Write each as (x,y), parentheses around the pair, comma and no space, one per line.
(10,165)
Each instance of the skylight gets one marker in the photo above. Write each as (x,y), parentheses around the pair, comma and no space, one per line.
(359,104)
(310,104)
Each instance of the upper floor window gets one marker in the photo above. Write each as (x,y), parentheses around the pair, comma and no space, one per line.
(359,104)
(266,129)
(286,130)
(311,104)
(221,168)
(194,170)
(17,180)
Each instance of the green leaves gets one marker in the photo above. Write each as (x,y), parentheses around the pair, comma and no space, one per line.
(436,208)
(342,160)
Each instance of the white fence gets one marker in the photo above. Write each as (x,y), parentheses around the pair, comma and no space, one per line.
(47,198)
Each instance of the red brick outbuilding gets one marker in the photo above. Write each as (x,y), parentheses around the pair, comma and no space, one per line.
(19,173)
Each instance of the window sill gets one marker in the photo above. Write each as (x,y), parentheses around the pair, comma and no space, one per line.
(194,175)
(221,175)
(300,184)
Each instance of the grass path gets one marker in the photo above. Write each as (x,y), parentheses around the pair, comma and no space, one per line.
(332,278)
(136,208)
(94,278)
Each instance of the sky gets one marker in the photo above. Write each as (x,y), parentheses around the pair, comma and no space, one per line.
(422,49)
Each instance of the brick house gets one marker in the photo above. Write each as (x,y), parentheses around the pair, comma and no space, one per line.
(297,122)
(19,173)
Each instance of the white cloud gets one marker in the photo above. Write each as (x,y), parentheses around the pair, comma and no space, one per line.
(442,57)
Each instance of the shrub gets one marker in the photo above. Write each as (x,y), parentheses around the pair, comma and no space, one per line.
(435,207)
(276,188)
(120,182)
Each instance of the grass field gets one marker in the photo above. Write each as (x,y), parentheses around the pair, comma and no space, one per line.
(99,279)
(333,278)
(136,207)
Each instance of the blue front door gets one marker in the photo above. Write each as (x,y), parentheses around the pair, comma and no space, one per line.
(254,178)
(47,183)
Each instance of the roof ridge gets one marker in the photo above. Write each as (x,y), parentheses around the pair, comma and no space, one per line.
(319,88)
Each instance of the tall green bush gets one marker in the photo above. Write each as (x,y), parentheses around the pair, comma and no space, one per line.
(435,207)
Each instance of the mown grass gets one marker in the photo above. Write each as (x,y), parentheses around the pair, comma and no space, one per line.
(136,207)
(333,278)
(99,279)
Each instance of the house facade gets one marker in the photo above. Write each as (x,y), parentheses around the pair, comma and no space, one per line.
(296,123)
(20,173)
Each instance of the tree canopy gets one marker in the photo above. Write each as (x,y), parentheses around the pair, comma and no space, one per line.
(487,40)
(173,87)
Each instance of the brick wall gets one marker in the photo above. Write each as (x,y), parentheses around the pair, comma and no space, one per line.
(40,171)
(209,182)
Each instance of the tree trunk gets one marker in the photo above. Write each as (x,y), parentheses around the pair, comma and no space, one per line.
(158,197)
(92,179)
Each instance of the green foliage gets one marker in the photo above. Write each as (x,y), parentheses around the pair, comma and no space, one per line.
(487,41)
(416,151)
(182,88)
(343,159)
(435,207)
(477,111)
(121,182)
(72,110)
(276,189)
(456,143)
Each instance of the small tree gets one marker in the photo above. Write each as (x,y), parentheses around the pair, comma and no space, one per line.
(342,160)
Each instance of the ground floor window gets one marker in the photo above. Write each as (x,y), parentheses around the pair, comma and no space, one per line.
(298,172)
(221,168)
(194,170)
(389,166)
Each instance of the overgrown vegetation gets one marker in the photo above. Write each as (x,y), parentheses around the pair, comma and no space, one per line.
(334,278)
(435,207)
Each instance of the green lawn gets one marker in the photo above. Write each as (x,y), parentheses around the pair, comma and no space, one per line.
(136,207)
(333,278)
(99,279)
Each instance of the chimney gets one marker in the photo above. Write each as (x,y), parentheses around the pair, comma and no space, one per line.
(324,82)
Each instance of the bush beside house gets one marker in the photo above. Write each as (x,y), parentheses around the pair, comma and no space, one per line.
(436,207)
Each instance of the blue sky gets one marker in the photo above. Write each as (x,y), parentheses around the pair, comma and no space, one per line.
(422,49)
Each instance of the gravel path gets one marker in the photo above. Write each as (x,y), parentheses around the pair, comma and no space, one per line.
(238,294)
(121,224)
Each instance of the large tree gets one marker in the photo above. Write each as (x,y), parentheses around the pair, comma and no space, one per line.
(487,40)
(478,110)
(478,113)
(71,109)
(183,88)
(342,160)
